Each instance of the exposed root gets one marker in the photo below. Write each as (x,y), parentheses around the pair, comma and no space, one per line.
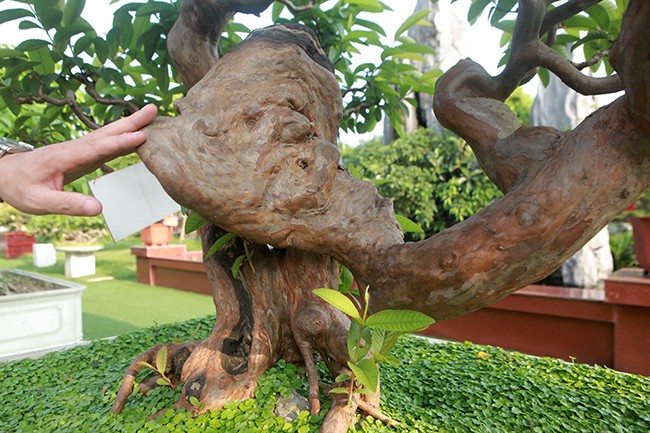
(340,416)
(177,354)
(375,413)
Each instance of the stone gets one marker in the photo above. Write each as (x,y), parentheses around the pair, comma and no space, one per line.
(590,265)
(290,407)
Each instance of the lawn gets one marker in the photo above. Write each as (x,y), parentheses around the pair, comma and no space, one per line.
(114,303)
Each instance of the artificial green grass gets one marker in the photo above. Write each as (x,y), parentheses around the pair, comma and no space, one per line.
(120,304)
(450,387)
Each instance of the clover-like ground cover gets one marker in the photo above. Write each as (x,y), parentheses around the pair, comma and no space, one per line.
(437,388)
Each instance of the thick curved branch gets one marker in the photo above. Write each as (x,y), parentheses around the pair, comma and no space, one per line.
(260,161)
(521,62)
(192,41)
(556,15)
(630,56)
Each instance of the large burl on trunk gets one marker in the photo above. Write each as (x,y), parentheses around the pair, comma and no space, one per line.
(253,151)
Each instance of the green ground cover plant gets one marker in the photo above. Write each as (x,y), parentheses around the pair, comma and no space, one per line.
(452,387)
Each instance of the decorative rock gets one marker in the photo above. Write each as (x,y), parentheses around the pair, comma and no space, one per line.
(290,407)
(591,265)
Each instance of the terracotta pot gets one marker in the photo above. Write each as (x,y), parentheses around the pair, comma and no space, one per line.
(156,234)
(641,233)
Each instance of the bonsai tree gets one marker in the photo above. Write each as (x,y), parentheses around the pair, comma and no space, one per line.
(252,151)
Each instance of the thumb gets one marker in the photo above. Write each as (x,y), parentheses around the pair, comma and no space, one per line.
(69,203)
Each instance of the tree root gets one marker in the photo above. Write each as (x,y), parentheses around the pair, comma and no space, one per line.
(177,355)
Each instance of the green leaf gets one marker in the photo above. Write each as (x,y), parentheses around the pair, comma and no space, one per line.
(194,401)
(49,13)
(14,14)
(223,240)
(67,32)
(371,25)
(10,53)
(366,373)
(338,390)
(378,338)
(194,221)
(237,265)
(162,382)
(276,11)
(342,378)
(101,49)
(9,100)
(544,76)
(161,360)
(407,225)
(147,365)
(476,9)
(399,320)
(154,7)
(72,11)
(345,278)
(415,19)
(372,6)
(83,44)
(26,25)
(356,172)
(32,44)
(339,301)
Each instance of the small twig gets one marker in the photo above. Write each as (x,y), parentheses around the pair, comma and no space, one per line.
(572,77)
(72,102)
(92,91)
(354,89)
(294,8)
(357,108)
(595,59)
(69,100)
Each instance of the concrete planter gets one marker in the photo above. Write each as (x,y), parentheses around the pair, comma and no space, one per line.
(44,255)
(41,320)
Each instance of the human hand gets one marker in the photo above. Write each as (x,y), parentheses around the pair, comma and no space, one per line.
(33,182)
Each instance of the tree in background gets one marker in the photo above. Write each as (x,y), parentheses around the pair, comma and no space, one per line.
(252,151)
(404,169)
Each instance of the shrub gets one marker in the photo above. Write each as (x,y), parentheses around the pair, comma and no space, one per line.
(432,179)
(622,246)
(54,228)
(452,387)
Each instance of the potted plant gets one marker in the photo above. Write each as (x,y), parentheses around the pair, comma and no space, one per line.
(37,312)
(156,234)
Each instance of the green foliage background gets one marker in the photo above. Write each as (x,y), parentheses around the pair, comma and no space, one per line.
(433,179)
(451,387)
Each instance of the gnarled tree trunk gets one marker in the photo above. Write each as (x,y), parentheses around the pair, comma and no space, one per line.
(253,151)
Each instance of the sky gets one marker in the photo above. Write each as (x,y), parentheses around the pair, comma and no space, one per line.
(480,42)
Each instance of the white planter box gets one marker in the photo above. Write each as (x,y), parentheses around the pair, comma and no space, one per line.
(39,321)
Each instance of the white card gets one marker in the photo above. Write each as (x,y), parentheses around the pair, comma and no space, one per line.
(132,199)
